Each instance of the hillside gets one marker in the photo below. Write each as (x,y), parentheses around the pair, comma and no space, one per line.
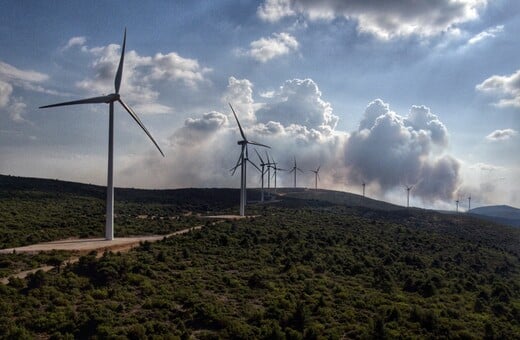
(337,197)
(304,268)
(503,214)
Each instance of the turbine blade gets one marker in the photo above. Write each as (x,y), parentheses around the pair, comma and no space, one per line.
(239,126)
(300,170)
(267,155)
(138,121)
(259,144)
(236,166)
(259,157)
(257,168)
(93,100)
(119,73)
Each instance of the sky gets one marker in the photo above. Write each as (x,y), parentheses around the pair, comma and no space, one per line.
(390,93)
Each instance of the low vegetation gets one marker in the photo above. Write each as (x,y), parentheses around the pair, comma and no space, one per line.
(301,269)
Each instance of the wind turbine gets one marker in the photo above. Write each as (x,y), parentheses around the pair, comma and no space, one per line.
(276,169)
(408,188)
(262,165)
(316,176)
(469,202)
(270,165)
(363,184)
(294,169)
(457,203)
(110,99)
(242,162)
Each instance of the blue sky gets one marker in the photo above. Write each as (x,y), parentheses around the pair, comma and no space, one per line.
(390,93)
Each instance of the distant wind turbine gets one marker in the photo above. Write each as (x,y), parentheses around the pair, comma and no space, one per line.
(469,202)
(275,169)
(316,176)
(110,99)
(269,167)
(242,162)
(408,188)
(363,184)
(457,203)
(262,171)
(294,169)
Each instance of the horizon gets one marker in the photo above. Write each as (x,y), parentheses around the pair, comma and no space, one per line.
(422,100)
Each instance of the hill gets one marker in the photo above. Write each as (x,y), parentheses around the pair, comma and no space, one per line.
(338,198)
(304,268)
(499,213)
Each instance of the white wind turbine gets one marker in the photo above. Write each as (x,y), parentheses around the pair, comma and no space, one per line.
(110,99)
(275,170)
(294,169)
(408,188)
(262,171)
(316,176)
(242,162)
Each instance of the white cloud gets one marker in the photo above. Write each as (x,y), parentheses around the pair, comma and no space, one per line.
(75,41)
(299,101)
(489,33)
(382,19)
(141,75)
(239,93)
(499,135)
(12,77)
(277,45)
(506,87)
(209,141)
(390,151)
(9,72)
(274,10)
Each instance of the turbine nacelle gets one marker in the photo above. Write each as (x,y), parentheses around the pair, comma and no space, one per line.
(113,97)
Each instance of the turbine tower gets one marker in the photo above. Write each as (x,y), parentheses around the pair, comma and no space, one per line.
(469,202)
(408,188)
(316,176)
(275,170)
(110,99)
(457,204)
(294,169)
(242,162)
(363,188)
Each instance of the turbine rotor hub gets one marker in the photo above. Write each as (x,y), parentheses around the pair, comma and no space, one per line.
(112,98)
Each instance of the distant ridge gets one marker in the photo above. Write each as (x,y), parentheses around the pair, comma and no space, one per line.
(338,197)
(503,214)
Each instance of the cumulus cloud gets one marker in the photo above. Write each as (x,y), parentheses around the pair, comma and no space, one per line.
(298,101)
(499,135)
(196,129)
(279,44)
(141,74)
(75,41)
(387,150)
(274,10)
(505,87)
(391,150)
(209,141)
(382,19)
(12,77)
(239,93)
(487,34)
